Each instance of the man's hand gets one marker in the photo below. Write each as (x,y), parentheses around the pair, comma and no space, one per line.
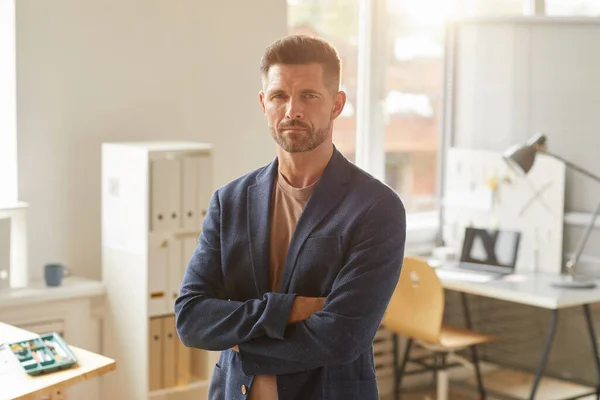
(304,307)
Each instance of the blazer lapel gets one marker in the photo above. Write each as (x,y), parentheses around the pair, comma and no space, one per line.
(259,217)
(329,191)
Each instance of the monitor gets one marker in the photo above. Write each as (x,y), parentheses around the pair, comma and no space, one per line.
(491,247)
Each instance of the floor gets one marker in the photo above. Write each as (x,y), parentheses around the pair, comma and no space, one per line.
(456,393)
(429,394)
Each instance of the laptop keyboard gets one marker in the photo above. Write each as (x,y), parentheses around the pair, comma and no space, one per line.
(464,275)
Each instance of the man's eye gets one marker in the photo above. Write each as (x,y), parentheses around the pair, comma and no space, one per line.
(310,96)
(278,96)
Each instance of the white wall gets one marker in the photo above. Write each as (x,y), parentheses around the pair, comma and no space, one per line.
(8,117)
(116,70)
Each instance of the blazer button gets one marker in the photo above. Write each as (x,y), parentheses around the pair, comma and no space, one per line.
(244,389)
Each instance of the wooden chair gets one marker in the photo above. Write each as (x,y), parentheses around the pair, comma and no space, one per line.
(416,311)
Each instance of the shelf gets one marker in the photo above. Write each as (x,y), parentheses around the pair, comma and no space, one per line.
(195,385)
(37,292)
(177,233)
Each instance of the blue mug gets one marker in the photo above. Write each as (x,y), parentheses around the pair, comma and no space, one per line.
(54,274)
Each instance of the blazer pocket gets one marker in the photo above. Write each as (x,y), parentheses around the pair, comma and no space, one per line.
(318,264)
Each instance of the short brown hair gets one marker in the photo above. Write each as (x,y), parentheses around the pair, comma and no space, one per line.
(304,49)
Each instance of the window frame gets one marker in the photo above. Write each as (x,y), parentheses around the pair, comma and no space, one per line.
(423,228)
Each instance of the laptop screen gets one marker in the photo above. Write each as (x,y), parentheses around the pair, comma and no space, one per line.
(491,247)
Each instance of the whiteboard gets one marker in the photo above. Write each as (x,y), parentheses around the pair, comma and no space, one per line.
(532,205)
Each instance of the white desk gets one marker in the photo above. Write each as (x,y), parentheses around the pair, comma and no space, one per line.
(528,289)
(533,290)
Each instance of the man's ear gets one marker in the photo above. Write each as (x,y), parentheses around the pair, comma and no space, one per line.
(338,104)
(261,98)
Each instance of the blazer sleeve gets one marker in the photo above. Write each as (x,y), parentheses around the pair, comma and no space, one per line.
(205,318)
(347,324)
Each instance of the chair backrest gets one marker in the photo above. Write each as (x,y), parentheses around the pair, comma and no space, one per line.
(416,308)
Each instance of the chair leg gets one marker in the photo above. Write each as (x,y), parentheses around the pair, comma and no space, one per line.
(400,370)
(475,359)
(396,369)
(474,356)
(435,364)
(442,379)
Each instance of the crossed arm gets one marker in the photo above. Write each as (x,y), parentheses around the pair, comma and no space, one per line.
(317,332)
(302,308)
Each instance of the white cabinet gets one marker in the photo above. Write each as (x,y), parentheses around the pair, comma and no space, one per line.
(154,199)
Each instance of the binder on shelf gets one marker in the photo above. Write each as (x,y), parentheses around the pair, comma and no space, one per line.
(156,354)
(165,188)
(169,350)
(175,274)
(184,364)
(206,189)
(189,245)
(191,192)
(158,265)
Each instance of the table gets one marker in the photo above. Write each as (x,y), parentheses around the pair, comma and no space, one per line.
(533,289)
(16,384)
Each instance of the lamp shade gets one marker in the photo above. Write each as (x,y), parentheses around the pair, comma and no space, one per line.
(522,156)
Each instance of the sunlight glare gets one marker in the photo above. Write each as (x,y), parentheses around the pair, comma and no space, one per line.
(425,13)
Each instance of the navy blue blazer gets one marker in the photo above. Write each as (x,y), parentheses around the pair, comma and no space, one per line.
(348,246)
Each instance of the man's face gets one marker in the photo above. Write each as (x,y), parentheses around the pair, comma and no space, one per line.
(299,106)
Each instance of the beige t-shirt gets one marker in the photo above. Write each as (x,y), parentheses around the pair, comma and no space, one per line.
(288,203)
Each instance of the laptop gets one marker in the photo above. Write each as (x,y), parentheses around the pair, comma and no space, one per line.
(489,252)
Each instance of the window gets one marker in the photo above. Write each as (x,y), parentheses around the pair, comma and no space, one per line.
(8,135)
(476,8)
(412,94)
(413,62)
(590,8)
(337,22)
(409,54)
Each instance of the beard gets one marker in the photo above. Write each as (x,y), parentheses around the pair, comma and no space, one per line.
(299,141)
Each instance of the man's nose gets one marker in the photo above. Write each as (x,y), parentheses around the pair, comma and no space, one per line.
(295,110)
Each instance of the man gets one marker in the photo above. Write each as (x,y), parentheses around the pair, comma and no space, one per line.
(297,260)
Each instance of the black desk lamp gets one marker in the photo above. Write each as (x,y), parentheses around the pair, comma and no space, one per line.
(521,157)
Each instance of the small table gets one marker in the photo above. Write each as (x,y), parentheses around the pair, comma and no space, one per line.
(17,384)
(534,289)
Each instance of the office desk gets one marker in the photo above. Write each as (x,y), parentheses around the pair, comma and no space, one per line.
(534,290)
(16,384)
